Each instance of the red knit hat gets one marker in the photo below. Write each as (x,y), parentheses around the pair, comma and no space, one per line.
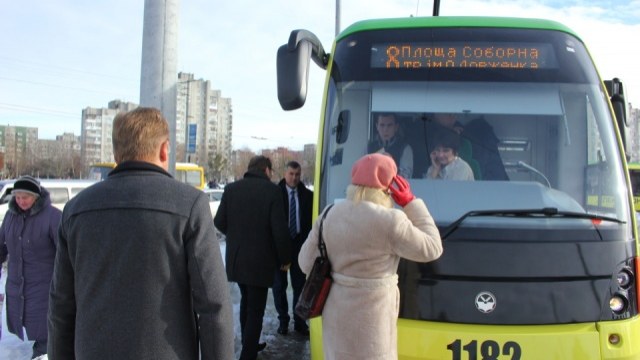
(374,170)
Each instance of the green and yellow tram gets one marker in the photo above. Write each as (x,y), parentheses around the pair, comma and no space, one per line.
(540,250)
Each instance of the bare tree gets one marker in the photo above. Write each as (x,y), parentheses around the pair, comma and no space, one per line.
(240,162)
(216,166)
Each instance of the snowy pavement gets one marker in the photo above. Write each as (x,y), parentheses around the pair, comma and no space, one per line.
(279,347)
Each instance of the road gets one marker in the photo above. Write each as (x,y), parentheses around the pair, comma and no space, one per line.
(279,347)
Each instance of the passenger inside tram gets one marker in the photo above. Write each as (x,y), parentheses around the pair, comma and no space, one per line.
(445,162)
(389,139)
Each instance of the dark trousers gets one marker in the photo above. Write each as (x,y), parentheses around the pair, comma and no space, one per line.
(280,292)
(252,303)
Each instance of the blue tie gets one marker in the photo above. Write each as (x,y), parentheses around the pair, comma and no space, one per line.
(293,228)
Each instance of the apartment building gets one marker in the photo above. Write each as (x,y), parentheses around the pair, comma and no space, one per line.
(17,145)
(95,132)
(204,121)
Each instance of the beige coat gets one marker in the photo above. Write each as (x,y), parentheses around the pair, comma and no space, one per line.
(365,242)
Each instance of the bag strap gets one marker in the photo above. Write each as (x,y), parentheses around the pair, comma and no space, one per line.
(321,246)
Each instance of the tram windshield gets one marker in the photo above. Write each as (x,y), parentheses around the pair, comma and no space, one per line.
(522,108)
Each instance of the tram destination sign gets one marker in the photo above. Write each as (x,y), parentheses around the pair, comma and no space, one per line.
(417,55)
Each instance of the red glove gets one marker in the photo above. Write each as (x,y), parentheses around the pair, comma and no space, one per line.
(401,193)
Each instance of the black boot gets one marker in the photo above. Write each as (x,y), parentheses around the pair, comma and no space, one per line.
(39,348)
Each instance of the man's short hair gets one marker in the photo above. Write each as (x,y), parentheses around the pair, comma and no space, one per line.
(293,164)
(386,114)
(138,133)
(259,163)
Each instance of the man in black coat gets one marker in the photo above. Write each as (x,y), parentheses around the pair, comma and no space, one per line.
(298,201)
(251,215)
(138,272)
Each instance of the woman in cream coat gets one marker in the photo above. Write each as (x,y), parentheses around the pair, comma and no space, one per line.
(365,239)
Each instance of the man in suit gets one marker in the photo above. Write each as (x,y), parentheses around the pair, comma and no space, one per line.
(251,215)
(298,202)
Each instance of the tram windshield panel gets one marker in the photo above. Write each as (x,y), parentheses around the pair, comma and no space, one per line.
(523,109)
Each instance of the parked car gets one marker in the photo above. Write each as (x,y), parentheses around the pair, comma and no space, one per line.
(60,192)
(5,190)
(215,195)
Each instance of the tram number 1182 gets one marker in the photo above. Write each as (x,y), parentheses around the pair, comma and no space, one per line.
(489,350)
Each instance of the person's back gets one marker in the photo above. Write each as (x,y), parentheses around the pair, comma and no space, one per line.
(250,253)
(365,238)
(132,276)
(485,149)
(139,274)
(251,215)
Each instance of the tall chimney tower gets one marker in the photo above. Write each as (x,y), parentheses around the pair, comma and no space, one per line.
(158,75)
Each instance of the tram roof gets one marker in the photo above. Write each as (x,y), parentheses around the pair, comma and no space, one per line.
(454,21)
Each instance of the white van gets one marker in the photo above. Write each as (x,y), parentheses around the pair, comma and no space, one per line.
(5,190)
(60,191)
(215,195)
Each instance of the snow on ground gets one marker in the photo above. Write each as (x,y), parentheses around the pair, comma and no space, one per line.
(292,346)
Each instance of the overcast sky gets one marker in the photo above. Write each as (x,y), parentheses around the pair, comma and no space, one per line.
(58,57)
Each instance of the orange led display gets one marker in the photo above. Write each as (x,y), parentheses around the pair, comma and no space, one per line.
(462,55)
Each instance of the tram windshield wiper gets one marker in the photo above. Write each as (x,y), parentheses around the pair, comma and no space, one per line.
(544,212)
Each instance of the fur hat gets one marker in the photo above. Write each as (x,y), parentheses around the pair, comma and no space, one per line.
(374,170)
(27,184)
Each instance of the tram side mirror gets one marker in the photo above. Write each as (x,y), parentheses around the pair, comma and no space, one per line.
(293,63)
(341,130)
(618,102)
(293,73)
(616,94)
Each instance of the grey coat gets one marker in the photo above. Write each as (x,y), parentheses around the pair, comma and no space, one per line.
(29,238)
(138,259)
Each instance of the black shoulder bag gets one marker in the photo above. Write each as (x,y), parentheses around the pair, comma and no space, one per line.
(316,287)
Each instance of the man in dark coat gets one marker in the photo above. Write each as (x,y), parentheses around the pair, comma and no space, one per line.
(298,202)
(139,274)
(485,149)
(251,215)
(28,236)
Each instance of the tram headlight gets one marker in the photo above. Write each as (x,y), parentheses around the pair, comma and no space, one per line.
(618,303)
(624,278)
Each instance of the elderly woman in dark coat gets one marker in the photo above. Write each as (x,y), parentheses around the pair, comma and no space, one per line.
(27,235)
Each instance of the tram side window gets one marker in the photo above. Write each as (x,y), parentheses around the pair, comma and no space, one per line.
(634,175)
(635,182)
